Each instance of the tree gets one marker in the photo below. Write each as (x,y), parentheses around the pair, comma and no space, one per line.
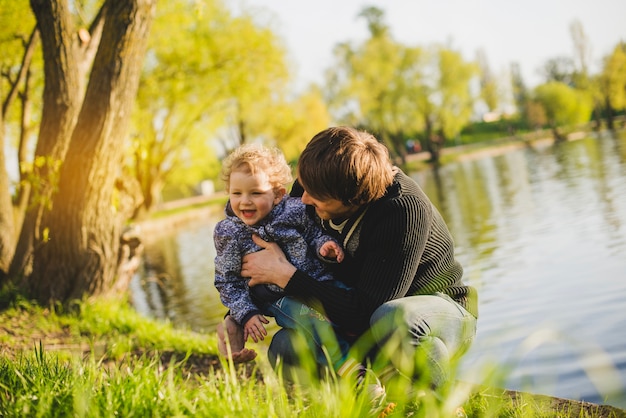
(61,107)
(258,85)
(489,91)
(582,50)
(454,84)
(582,78)
(18,41)
(73,232)
(396,91)
(521,94)
(611,83)
(444,97)
(536,114)
(563,106)
(559,69)
(207,69)
(370,85)
(296,121)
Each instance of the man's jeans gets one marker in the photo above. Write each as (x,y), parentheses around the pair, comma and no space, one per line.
(418,335)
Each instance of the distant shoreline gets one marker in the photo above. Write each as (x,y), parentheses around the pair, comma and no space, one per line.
(187,210)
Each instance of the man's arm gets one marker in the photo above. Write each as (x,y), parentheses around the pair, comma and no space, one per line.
(385,266)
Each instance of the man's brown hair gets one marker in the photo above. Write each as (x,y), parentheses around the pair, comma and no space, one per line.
(346,164)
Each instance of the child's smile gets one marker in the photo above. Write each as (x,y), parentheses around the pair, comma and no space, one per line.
(252,197)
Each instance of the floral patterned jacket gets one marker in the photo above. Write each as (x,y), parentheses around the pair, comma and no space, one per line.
(290,227)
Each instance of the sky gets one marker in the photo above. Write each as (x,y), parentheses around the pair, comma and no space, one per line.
(527,32)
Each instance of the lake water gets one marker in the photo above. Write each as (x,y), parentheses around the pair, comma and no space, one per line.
(540,231)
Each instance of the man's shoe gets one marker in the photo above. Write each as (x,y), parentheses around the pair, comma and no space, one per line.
(375,392)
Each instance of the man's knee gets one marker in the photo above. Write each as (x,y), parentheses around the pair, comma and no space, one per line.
(387,320)
(281,347)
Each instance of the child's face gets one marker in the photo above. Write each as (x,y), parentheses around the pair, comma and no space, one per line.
(252,196)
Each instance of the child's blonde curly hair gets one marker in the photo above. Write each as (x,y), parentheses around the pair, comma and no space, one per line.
(254,158)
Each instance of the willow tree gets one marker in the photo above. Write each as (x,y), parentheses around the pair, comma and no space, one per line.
(369,84)
(225,70)
(71,233)
(296,121)
(442,93)
(396,91)
(611,83)
(454,86)
(564,106)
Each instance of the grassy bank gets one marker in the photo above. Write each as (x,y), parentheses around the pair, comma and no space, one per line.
(102,358)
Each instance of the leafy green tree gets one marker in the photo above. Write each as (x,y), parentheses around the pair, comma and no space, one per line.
(563,106)
(457,101)
(536,114)
(293,123)
(369,84)
(573,71)
(443,95)
(397,91)
(258,83)
(207,69)
(582,79)
(611,83)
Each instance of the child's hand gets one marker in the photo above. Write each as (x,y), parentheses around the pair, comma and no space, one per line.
(331,250)
(255,329)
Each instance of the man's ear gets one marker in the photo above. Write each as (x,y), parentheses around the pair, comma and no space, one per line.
(279,192)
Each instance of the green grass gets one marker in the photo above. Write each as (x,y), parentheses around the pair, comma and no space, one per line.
(103,359)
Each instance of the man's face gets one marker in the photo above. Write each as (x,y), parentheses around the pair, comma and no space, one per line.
(328,209)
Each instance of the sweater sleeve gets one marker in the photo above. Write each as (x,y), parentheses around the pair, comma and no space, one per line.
(392,241)
(233,290)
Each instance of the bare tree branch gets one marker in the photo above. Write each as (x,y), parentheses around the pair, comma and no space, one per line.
(24,66)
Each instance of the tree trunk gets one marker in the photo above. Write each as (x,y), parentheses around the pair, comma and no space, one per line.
(433,142)
(610,123)
(7,229)
(558,135)
(84,226)
(10,220)
(148,176)
(23,191)
(61,104)
(396,145)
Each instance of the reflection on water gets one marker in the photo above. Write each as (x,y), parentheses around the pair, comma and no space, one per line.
(541,233)
(177,278)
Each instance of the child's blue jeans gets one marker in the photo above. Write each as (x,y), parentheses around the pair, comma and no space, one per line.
(319,334)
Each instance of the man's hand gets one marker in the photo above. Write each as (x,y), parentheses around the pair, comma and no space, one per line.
(267,266)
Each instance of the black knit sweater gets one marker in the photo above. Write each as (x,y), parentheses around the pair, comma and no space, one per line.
(401,247)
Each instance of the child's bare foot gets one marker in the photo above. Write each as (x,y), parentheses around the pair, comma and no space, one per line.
(231,342)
